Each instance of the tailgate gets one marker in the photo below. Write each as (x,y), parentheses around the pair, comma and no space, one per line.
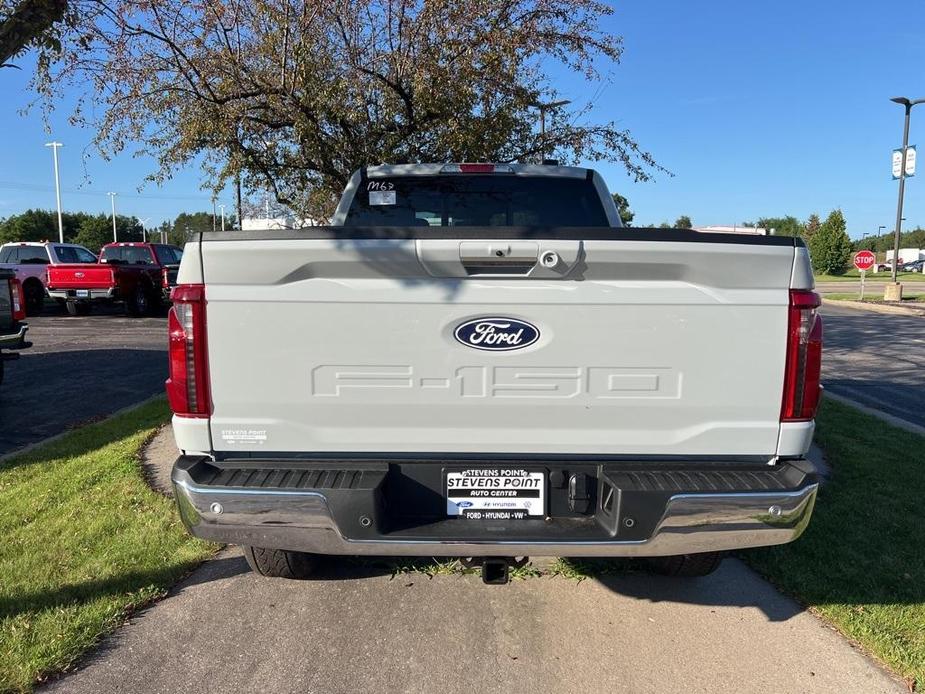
(80,276)
(570,342)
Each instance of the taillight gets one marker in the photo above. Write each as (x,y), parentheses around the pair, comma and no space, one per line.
(164,281)
(18,300)
(804,357)
(188,384)
(477,168)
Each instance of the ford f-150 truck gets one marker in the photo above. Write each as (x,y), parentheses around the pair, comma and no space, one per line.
(30,262)
(12,313)
(480,361)
(139,274)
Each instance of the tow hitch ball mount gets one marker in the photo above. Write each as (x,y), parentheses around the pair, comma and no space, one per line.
(496,571)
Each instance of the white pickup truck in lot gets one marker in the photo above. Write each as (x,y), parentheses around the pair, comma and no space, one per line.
(480,361)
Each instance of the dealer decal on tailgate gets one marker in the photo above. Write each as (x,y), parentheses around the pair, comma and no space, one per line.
(495,494)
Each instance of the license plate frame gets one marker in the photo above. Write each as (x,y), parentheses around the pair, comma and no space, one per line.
(495,493)
(82,293)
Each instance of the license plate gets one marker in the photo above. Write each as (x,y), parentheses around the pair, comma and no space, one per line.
(83,293)
(495,494)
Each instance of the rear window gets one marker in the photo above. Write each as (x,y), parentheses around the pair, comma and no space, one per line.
(73,254)
(486,200)
(127,255)
(168,255)
(29,255)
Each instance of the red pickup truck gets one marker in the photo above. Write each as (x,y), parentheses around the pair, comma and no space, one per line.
(139,274)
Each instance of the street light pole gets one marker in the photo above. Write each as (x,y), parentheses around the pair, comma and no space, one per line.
(908,104)
(222,208)
(112,199)
(54,148)
(543,107)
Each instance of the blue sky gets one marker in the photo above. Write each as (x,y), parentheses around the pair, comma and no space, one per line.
(759,109)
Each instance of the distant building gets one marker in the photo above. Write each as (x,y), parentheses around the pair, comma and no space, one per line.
(760,231)
(907,255)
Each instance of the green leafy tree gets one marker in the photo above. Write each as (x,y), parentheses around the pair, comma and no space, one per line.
(26,23)
(623,207)
(811,227)
(683,222)
(39,225)
(293,96)
(830,247)
(783,226)
(96,232)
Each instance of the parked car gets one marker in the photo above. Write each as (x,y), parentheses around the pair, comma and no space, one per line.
(30,260)
(139,274)
(478,360)
(12,314)
(914,266)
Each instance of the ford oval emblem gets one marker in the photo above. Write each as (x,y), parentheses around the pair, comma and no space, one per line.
(496,334)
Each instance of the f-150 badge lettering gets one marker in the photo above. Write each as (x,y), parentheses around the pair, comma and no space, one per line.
(496,334)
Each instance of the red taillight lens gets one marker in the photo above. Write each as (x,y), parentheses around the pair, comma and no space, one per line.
(164,281)
(188,384)
(804,357)
(17,300)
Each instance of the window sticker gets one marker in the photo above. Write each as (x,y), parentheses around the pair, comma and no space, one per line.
(382,197)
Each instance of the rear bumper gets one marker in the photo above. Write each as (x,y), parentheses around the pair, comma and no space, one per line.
(361,508)
(15,340)
(93,293)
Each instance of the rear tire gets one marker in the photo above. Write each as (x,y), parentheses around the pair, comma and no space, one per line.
(34,293)
(688,565)
(77,308)
(139,303)
(280,563)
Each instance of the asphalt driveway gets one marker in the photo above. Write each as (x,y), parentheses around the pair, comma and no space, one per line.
(79,369)
(876,359)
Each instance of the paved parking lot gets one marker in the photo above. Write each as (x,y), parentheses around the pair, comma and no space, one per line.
(876,359)
(79,369)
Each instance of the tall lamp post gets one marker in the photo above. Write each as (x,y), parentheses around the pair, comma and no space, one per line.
(542,108)
(907,104)
(54,148)
(112,198)
(222,208)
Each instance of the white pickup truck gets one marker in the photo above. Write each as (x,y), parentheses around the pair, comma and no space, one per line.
(480,361)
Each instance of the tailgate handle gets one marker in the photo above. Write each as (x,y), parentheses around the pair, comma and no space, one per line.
(498,257)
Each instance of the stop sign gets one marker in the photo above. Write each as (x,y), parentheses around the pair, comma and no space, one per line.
(864,260)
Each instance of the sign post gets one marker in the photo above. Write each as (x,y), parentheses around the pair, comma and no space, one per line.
(864,261)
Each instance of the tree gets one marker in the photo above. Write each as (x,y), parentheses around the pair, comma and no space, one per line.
(25,23)
(830,247)
(294,95)
(40,225)
(782,226)
(683,222)
(811,227)
(623,207)
(95,232)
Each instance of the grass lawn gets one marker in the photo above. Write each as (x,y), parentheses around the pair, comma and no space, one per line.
(84,542)
(854,276)
(874,296)
(861,562)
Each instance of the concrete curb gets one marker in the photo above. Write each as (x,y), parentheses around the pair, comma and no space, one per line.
(888,418)
(876,308)
(50,439)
